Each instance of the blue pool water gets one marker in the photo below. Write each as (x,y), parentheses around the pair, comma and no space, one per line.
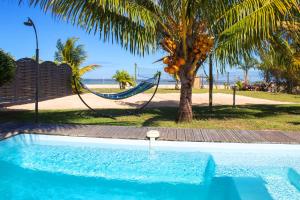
(49,167)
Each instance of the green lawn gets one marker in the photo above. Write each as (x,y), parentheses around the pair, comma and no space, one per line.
(262,95)
(284,97)
(254,117)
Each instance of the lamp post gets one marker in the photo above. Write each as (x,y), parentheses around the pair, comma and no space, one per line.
(211,81)
(29,22)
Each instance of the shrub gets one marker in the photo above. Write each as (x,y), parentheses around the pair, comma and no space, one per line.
(123,78)
(239,85)
(7,67)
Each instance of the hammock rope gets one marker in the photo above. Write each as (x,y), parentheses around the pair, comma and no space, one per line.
(140,88)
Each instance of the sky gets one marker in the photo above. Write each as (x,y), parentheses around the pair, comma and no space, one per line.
(19,41)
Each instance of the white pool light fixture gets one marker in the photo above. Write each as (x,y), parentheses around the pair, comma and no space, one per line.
(153,135)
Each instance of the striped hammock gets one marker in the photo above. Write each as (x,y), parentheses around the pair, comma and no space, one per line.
(140,88)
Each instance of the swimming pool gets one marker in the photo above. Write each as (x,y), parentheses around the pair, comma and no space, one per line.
(56,167)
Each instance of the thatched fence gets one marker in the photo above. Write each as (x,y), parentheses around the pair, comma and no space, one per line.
(55,81)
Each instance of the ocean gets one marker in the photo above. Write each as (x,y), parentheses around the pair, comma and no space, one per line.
(254,76)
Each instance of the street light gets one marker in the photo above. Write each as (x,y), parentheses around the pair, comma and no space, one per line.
(29,22)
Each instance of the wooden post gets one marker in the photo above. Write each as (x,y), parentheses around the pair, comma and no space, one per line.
(37,84)
(228,87)
(217,79)
(197,84)
(135,72)
(211,81)
(234,93)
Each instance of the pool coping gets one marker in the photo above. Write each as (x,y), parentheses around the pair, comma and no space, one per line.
(161,144)
(166,134)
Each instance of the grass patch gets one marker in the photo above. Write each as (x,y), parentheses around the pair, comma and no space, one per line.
(250,117)
(284,97)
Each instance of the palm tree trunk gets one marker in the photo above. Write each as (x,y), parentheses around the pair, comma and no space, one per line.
(177,85)
(185,112)
(246,72)
(267,76)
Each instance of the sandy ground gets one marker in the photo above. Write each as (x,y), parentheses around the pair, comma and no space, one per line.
(117,86)
(160,100)
(169,86)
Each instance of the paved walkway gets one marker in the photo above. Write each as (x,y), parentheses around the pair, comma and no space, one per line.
(171,134)
(160,100)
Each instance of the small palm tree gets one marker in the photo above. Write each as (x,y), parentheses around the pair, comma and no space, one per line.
(246,64)
(74,55)
(123,78)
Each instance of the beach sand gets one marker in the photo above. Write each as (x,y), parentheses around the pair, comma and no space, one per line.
(160,100)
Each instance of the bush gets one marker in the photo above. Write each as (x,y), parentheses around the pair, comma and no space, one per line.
(7,67)
(123,78)
(239,85)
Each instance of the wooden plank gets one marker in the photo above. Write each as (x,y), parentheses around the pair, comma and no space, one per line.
(189,135)
(234,137)
(198,137)
(242,136)
(172,135)
(114,133)
(140,133)
(109,132)
(193,135)
(224,136)
(163,134)
(213,136)
(180,135)
(274,136)
(127,133)
(257,137)
(205,135)
(294,136)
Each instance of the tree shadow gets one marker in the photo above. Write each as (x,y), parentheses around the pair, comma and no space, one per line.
(149,116)
(245,111)
(152,104)
(295,123)
(225,113)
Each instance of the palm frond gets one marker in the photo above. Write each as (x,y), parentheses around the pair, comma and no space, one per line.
(248,22)
(127,22)
(87,68)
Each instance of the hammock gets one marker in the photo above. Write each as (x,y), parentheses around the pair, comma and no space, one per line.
(140,88)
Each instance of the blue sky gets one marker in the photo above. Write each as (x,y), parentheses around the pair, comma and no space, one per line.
(19,41)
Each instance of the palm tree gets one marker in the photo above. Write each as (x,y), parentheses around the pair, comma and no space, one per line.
(280,54)
(188,30)
(7,67)
(246,63)
(123,78)
(280,58)
(74,55)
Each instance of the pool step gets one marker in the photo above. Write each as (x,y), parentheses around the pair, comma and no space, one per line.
(243,188)
(129,164)
(210,170)
(20,183)
(294,178)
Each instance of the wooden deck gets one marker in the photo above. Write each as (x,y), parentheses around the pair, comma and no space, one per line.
(171,134)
